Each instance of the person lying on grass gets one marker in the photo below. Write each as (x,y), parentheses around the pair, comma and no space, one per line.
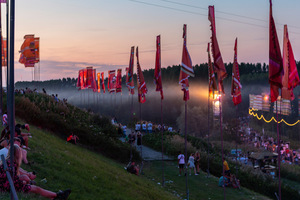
(21,185)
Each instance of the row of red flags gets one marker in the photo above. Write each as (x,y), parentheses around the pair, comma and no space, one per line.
(282,70)
(87,79)
(277,65)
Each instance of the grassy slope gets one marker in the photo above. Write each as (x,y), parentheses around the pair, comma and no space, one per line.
(89,175)
(200,187)
(92,176)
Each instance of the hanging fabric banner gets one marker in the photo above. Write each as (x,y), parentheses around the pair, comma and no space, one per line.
(142,89)
(236,83)
(216,53)
(186,69)
(157,72)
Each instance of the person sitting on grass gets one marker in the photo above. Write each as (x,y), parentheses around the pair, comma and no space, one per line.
(20,186)
(223,181)
(24,137)
(6,146)
(133,168)
(73,138)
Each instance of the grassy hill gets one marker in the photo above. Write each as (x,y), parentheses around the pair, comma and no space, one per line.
(93,176)
(88,174)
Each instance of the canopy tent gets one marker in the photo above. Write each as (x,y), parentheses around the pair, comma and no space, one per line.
(264,155)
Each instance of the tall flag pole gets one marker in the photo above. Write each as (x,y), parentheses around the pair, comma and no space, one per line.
(275,80)
(221,72)
(212,86)
(11,79)
(186,71)
(236,95)
(290,78)
(142,91)
(2,59)
(157,81)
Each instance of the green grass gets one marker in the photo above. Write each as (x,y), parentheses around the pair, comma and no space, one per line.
(93,176)
(89,175)
(200,187)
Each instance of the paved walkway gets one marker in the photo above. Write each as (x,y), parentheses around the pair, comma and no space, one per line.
(148,153)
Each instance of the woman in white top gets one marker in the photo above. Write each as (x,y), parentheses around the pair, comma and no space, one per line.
(191,164)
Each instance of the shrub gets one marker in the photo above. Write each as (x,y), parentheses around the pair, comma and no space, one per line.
(95,132)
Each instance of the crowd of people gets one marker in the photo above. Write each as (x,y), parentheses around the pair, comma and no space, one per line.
(288,155)
(23,180)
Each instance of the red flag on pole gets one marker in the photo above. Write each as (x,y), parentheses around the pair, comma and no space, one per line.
(236,83)
(4,52)
(275,60)
(186,69)
(211,74)
(290,78)
(129,75)
(98,82)
(102,82)
(119,81)
(111,82)
(157,72)
(29,51)
(78,85)
(142,89)
(218,61)
(89,77)
(94,83)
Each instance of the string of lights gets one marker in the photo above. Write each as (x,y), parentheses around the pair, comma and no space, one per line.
(272,119)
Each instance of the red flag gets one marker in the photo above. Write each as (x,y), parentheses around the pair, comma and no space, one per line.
(129,75)
(142,89)
(275,60)
(94,83)
(119,81)
(80,83)
(218,61)
(157,72)
(186,66)
(236,83)
(89,77)
(111,82)
(98,82)
(4,52)
(211,74)
(102,82)
(29,51)
(3,1)
(290,78)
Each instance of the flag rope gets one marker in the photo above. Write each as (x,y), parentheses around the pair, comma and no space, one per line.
(268,121)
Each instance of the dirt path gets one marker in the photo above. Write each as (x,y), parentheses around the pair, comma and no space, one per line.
(148,153)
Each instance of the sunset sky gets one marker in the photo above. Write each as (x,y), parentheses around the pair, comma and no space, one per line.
(79,33)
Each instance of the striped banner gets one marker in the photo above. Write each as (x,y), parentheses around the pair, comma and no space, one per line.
(283,106)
